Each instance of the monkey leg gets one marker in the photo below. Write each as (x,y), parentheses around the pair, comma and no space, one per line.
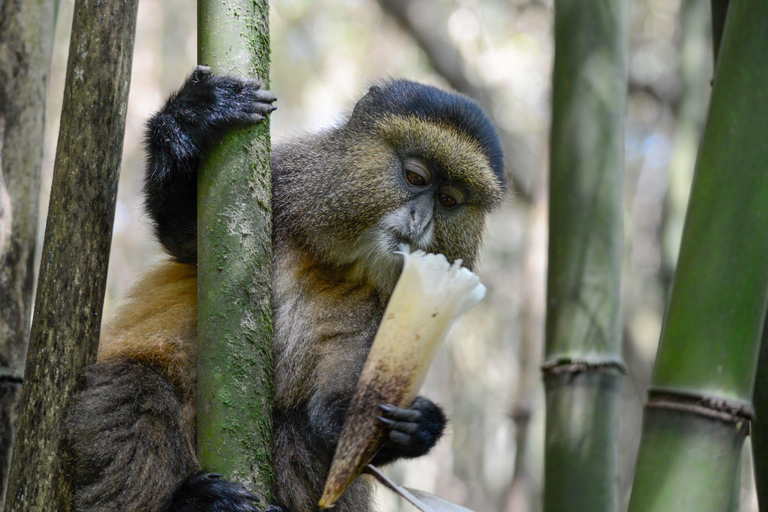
(131,452)
(125,433)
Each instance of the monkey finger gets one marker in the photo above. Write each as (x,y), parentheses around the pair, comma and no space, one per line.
(252,83)
(265,96)
(252,118)
(402,426)
(199,72)
(257,99)
(259,108)
(398,414)
(400,438)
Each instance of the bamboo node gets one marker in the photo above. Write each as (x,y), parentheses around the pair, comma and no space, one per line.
(570,365)
(725,409)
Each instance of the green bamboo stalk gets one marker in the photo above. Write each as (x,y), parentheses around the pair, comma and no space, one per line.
(583,366)
(234,424)
(78,232)
(735,504)
(699,405)
(719,11)
(759,430)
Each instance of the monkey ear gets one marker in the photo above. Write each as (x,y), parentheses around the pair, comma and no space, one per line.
(367,106)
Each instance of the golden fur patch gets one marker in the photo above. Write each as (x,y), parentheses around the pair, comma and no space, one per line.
(157,325)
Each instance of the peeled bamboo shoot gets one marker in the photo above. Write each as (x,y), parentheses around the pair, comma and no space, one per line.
(430,294)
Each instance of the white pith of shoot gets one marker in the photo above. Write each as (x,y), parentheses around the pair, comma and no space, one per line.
(428,298)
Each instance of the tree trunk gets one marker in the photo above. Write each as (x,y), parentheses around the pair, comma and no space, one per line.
(65,329)
(26,29)
(583,366)
(234,421)
(699,408)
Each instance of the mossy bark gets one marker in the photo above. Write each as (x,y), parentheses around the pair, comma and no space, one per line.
(70,293)
(26,28)
(583,366)
(699,405)
(235,384)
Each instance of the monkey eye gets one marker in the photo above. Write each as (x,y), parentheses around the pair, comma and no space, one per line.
(416,173)
(415,179)
(449,197)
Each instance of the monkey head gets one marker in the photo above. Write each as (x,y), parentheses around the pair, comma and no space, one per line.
(412,165)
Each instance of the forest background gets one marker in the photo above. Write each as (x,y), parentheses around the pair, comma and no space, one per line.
(325,54)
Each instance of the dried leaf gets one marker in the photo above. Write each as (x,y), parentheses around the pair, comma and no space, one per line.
(422,500)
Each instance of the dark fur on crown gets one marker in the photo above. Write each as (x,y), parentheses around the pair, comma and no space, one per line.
(426,102)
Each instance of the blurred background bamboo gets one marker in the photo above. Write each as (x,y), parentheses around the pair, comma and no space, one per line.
(325,53)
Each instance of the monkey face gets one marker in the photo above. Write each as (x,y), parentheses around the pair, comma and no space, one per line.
(437,203)
(413,165)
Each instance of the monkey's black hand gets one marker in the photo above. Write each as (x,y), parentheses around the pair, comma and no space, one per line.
(210,492)
(412,431)
(179,136)
(198,114)
(219,101)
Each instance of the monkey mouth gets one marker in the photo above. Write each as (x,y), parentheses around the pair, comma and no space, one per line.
(401,240)
(420,241)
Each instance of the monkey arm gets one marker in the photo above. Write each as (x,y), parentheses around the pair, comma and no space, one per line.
(177,139)
(413,431)
(328,348)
